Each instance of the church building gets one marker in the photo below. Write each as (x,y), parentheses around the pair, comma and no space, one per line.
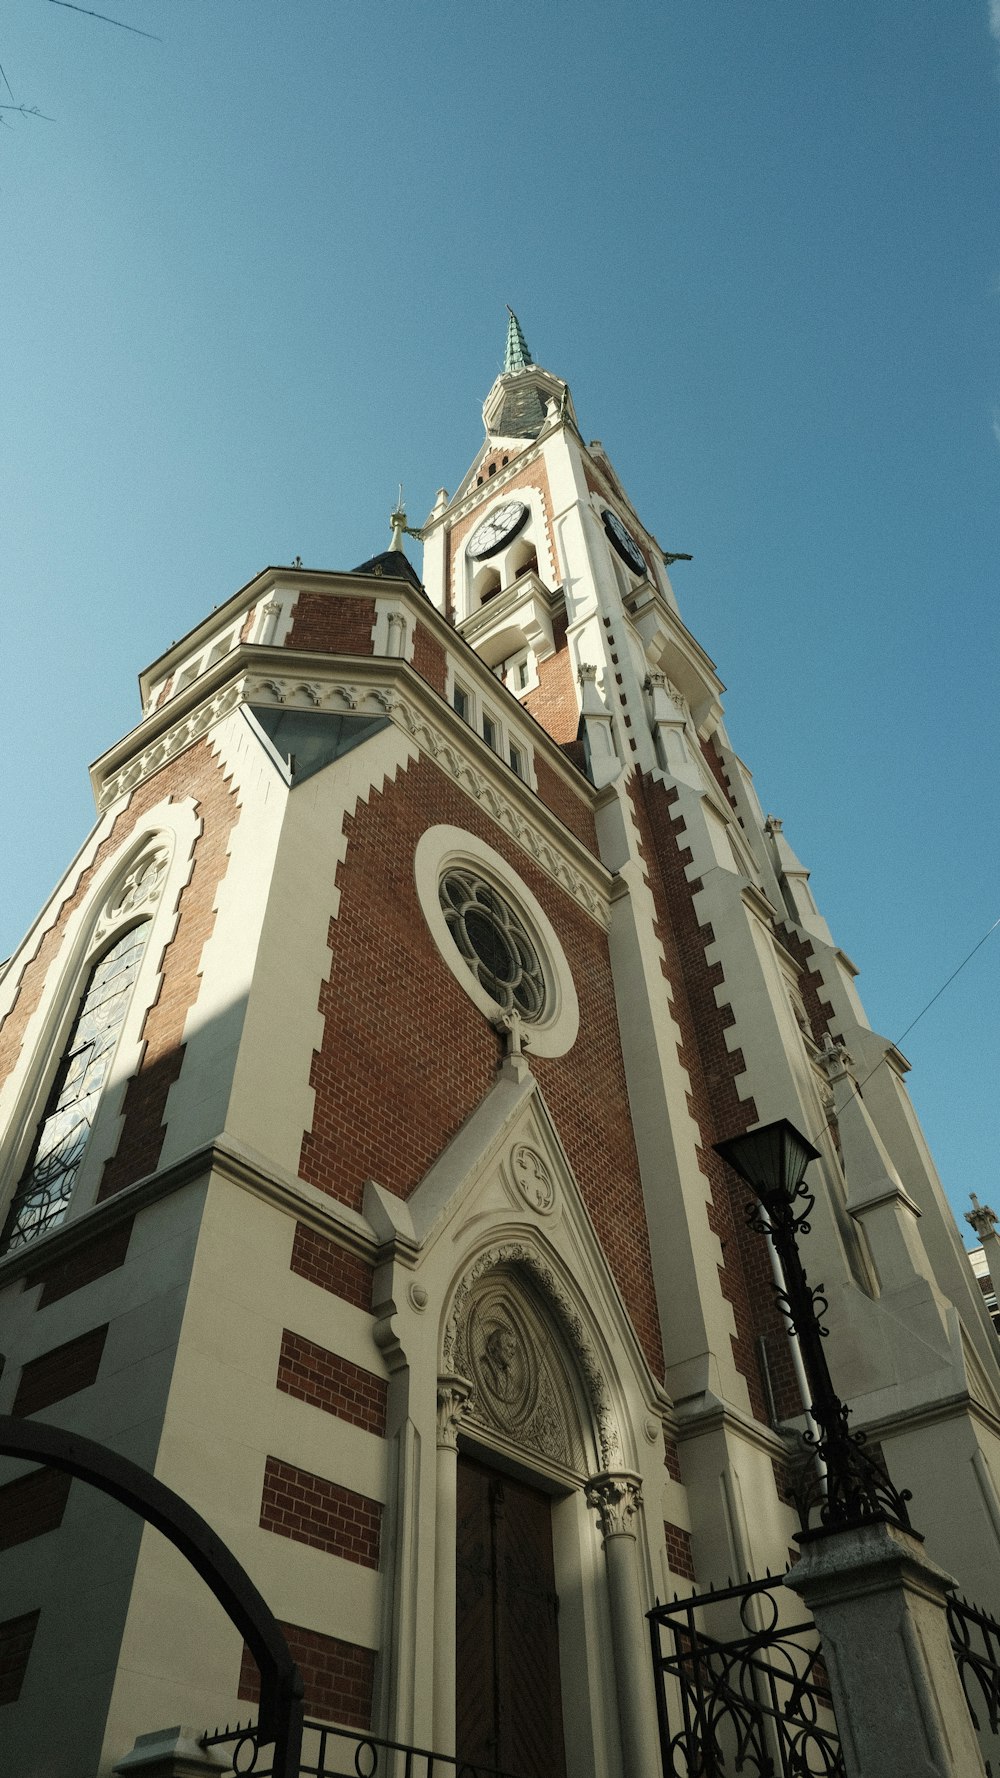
(359,1087)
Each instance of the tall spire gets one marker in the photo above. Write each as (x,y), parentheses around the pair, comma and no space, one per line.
(517,355)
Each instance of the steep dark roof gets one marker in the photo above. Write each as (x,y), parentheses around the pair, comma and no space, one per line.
(391,564)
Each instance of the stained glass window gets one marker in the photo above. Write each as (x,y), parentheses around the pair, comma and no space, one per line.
(45,1186)
(494,942)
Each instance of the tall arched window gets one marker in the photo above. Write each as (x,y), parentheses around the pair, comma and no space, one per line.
(46,1185)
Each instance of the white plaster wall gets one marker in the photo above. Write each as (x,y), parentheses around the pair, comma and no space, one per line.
(224,1416)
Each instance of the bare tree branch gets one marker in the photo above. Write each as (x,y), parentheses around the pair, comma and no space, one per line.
(122,26)
(8,86)
(28,111)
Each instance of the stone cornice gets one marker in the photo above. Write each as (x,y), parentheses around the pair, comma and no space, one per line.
(370,685)
(227,1160)
(935,1413)
(716,1416)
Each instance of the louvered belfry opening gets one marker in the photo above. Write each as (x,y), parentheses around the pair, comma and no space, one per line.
(509,1701)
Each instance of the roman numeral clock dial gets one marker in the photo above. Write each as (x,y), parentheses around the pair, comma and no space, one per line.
(504,522)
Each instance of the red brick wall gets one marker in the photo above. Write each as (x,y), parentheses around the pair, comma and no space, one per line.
(671,1457)
(571,811)
(59,1373)
(333,1268)
(390,1002)
(554,702)
(679,1550)
(429,658)
(310,1510)
(333,623)
(16,1637)
(144,1126)
(94,1259)
(716,766)
(338,1676)
(247,624)
(819,1012)
(713,1070)
(32,1505)
(335,1384)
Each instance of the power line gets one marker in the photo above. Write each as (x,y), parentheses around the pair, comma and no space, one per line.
(858,1085)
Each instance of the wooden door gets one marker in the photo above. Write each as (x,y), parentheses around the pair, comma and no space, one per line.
(508,1694)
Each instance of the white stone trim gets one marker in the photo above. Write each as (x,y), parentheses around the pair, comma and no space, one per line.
(442,846)
(88,933)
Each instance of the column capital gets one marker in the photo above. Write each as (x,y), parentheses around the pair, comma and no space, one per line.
(616,1498)
(454,1397)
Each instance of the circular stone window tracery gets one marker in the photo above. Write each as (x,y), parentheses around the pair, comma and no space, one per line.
(494,943)
(495,938)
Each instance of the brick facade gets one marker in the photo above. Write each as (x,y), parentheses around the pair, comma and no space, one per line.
(339,1677)
(311,1510)
(679,1550)
(333,1268)
(372,1013)
(92,1259)
(32,1505)
(335,1384)
(429,659)
(16,1637)
(332,623)
(716,765)
(713,1070)
(64,1371)
(554,702)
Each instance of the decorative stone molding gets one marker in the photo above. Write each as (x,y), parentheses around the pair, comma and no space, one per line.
(616,1498)
(522,1389)
(190,728)
(428,736)
(454,1398)
(142,885)
(512,1029)
(532,1177)
(981,1218)
(518,1254)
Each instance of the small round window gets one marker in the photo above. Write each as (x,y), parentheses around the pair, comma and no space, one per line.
(494,942)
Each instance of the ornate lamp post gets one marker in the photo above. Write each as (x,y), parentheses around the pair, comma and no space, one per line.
(772,1161)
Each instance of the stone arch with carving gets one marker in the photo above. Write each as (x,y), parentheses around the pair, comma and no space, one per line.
(521,1261)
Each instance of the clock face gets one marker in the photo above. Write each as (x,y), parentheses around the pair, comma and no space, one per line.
(503,523)
(624,542)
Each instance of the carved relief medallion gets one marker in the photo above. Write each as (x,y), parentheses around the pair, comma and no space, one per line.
(520,1388)
(533,1179)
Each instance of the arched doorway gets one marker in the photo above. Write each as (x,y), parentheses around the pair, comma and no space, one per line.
(526,1445)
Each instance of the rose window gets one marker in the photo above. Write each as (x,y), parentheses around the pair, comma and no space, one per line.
(494,942)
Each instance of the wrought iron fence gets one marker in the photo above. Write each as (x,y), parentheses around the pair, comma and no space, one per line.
(975,1640)
(343,1753)
(739,1692)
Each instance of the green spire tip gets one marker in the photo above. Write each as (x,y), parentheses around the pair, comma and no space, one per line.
(517,355)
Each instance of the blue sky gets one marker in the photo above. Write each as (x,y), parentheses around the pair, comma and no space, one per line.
(255,276)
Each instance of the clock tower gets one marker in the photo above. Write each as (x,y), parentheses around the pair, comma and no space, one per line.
(544,566)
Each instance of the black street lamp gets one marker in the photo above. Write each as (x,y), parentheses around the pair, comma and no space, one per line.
(772,1161)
